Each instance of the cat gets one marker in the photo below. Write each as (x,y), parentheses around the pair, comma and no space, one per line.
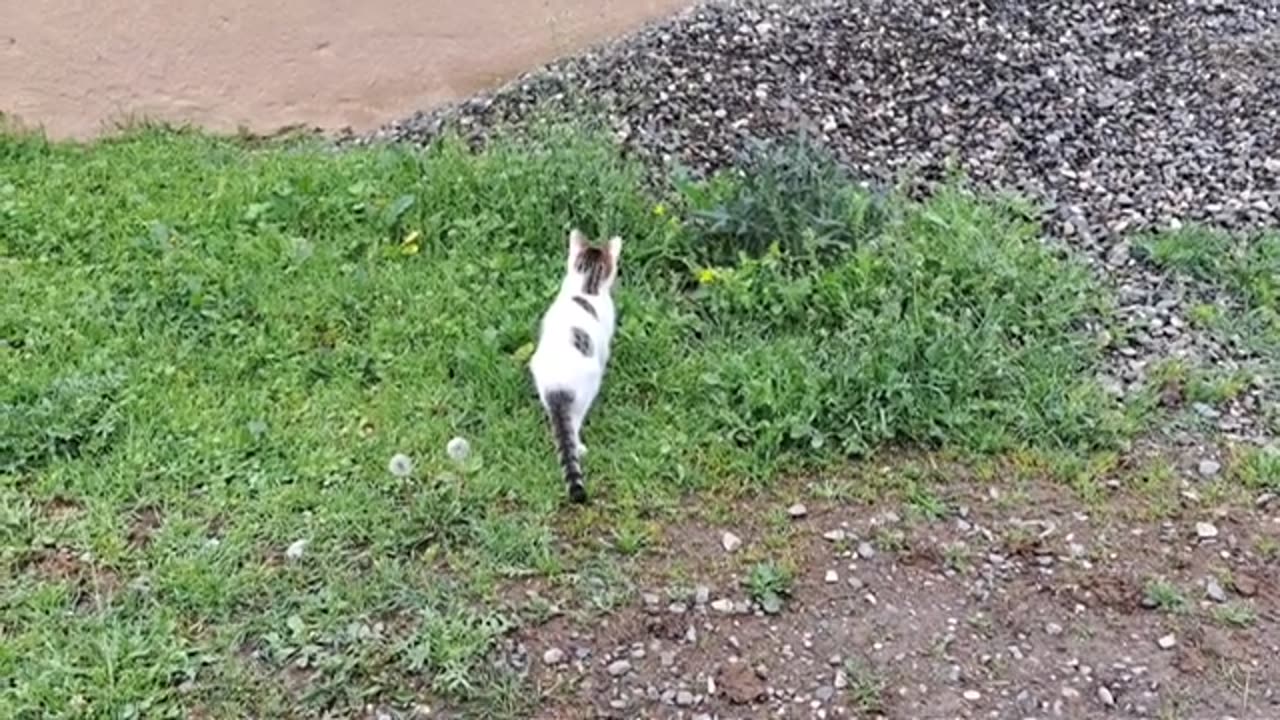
(573,349)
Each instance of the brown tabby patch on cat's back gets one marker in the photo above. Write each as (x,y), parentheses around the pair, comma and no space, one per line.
(596,265)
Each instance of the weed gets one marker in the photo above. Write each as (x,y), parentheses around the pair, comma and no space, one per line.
(1165,596)
(1234,615)
(1267,547)
(1257,468)
(630,537)
(866,687)
(769,585)
(922,500)
(957,557)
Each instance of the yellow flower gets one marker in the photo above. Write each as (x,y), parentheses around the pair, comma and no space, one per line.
(659,209)
(706,276)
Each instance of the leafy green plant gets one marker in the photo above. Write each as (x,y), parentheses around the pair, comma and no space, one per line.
(792,196)
(1234,615)
(769,585)
(1165,596)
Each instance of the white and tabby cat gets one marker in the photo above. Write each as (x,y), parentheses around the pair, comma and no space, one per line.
(573,349)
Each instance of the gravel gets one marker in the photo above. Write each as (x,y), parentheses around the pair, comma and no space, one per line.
(1117,115)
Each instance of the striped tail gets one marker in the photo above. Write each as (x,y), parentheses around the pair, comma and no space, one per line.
(558,404)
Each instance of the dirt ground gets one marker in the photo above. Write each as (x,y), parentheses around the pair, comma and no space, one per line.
(75,69)
(1007,604)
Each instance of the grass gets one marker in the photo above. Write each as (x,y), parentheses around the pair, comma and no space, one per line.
(1165,597)
(212,351)
(1247,268)
(1234,616)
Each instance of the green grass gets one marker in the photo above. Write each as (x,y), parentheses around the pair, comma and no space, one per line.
(211,351)
(1247,266)
(1165,597)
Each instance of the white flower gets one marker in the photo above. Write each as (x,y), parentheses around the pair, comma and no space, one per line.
(400,466)
(458,449)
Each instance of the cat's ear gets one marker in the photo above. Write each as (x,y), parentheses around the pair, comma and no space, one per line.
(615,248)
(577,242)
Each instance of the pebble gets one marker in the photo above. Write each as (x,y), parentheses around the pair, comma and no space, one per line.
(618,668)
(1206,530)
(1053,629)
(1213,590)
(825,693)
(553,656)
(866,551)
(836,535)
(722,605)
(1166,642)
(684,698)
(797,511)
(972,695)
(1209,468)
(1105,696)
(832,577)
(701,594)
(730,542)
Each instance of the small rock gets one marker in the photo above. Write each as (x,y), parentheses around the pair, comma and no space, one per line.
(1246,585)
(842,680)
(1206,530)
(701,594)
(296,550)
(866,550)
(832,576)
(1105,696)
(836,535)
(972,695)
(1053,629)
(684,698)
(618,668)
(798,511)
(1166,642)
(722,605)
(1209,468)
(553,656)
(825,693)
(1213,590)
(730,542)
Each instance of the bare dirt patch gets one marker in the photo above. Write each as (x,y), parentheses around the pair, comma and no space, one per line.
(1000,608)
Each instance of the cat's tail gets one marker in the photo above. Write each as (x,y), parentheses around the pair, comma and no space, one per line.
(559,403)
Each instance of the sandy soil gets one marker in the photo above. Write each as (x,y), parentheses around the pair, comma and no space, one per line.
(77,68)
